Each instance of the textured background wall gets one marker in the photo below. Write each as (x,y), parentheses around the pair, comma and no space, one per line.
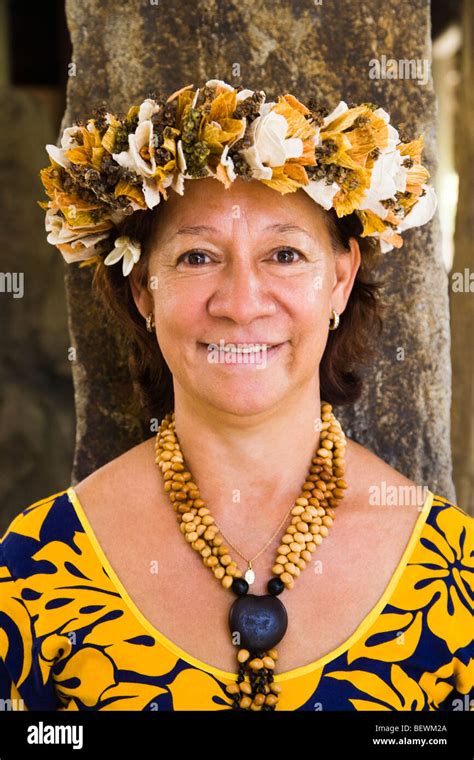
(36,424)
(124,50)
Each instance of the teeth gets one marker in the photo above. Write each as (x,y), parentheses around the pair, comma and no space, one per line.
(247,350)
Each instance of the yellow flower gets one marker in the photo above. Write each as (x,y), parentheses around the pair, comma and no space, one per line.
(439,579)
(401,693)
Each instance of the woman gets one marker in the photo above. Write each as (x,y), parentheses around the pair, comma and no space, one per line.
(246,311)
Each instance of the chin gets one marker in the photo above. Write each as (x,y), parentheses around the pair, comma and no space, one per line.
(243,401)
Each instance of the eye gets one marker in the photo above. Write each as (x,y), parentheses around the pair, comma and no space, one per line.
(194,254)
(287,250)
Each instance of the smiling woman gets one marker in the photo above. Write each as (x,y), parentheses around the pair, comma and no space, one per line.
(174,252)
(247,305)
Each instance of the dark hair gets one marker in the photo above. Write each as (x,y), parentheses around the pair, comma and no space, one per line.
(348,347)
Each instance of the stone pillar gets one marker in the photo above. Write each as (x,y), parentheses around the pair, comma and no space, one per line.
(36,398)
(462,278)
(123,50)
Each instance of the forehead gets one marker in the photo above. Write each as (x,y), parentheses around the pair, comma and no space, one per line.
(208,202)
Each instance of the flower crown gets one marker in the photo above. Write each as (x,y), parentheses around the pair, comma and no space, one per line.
(350,159)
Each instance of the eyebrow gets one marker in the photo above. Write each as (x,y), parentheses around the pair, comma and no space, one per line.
(278,227)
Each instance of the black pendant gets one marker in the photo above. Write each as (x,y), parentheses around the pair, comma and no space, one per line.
(260,620)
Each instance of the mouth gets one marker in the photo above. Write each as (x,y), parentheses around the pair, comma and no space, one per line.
(245,349)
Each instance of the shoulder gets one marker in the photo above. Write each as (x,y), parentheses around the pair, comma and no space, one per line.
(374,482)
(454,528)
(30,529)
(132,474)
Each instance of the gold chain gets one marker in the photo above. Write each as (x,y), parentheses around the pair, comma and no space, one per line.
(249,561)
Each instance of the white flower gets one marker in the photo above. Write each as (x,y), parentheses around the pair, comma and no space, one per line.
(322,193)
(270,146)
(219,83)
(147,109)
(60,234)
(341,108)
(132,160)
(129,249)
(176,180)
(387,177)
(422,211)
(68,140)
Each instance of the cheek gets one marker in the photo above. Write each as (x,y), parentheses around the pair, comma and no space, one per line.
(178,307)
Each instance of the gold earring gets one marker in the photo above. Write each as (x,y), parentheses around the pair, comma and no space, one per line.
(150,322)
(333,325)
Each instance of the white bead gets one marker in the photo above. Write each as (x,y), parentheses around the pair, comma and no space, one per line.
(250,576)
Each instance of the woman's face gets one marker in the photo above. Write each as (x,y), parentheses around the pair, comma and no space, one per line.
(249,267)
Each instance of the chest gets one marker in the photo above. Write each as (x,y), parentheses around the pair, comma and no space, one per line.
(181,598)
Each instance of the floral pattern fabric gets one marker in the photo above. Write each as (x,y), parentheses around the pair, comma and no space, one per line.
(72,639)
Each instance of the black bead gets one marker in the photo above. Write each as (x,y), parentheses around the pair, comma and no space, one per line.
(260,620)
(275,586)
(239,586)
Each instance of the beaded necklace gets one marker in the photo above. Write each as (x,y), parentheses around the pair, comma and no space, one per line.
(258,622)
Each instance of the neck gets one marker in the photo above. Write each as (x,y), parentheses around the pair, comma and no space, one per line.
(249,469)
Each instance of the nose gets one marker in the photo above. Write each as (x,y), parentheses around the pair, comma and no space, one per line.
(241,293)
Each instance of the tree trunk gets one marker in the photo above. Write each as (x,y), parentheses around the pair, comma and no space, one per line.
(125,50)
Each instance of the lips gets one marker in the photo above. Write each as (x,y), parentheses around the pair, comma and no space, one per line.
(247,343)
(271,351)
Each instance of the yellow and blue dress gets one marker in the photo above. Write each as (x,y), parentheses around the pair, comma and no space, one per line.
(71,638)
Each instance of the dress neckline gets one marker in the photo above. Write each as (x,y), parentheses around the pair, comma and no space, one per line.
(224,674)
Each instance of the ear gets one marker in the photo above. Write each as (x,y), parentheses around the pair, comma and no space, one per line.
(347,264)
(141,295)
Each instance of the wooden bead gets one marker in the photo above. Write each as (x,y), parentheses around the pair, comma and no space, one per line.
(271,699)
(259,699)
(268,663)
(276,688)
(301,502)
(299,538)
(256,663)
(298,548)
(245,687)
(233,688)
(297,510)
(227,581)
(243,655)
(245,702)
